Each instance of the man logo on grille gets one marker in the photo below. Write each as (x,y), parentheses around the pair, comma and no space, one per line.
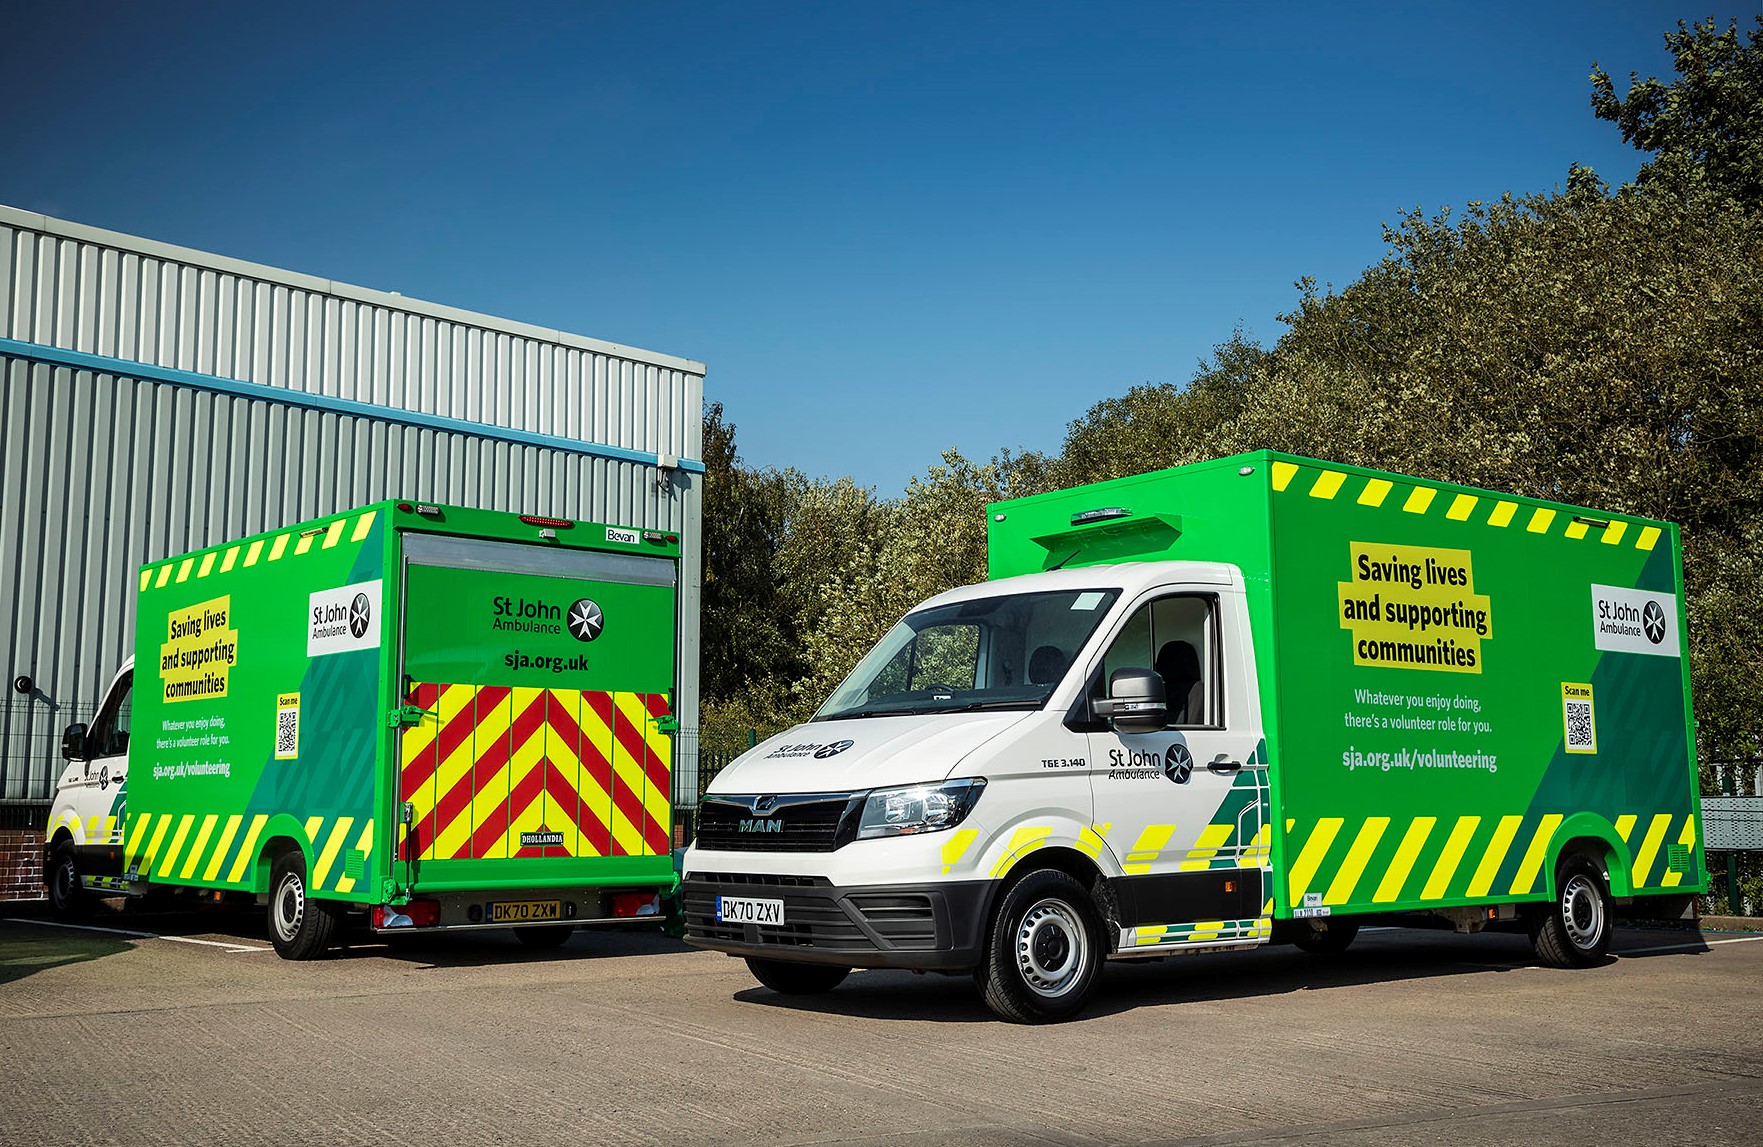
(360,614)
(1653,621)
(585,620)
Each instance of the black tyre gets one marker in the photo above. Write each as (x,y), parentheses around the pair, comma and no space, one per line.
(300,928)
(549,936)
(1574,930)
(1332,941)
(1043,952)
(61,875)
(792,979)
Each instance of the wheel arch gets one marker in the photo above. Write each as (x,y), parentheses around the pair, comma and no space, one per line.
(1596,839)
(273,849)
(1075,864)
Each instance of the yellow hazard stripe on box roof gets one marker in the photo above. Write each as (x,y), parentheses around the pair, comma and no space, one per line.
(225,560)
(1421,498)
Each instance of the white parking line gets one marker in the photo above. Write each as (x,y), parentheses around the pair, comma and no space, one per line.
(232,948)
(1694,947)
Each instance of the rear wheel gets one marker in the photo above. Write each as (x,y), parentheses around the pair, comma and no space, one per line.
(300,928)
(1574,931)
(550,936)
(1331,941)
(797,979)
(1044,950)
(62,877)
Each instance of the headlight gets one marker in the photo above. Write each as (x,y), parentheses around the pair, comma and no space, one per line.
(918,808)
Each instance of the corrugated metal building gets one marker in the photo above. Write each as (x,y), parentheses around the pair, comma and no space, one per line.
(155,399)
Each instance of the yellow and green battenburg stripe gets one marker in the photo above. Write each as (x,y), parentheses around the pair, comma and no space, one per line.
(1380,862)
(219,850)
(271,547)
(1415,497)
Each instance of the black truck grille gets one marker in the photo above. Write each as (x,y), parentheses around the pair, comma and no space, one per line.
(813,915)
(806,822)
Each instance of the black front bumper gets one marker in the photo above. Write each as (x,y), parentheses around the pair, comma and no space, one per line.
(923,926)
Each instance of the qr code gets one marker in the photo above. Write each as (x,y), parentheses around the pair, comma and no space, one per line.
(1579,725)
(287,732)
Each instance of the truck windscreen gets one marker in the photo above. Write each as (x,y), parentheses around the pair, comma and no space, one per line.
(1003,652)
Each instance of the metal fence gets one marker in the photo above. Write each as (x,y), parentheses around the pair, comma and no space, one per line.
(1732,826)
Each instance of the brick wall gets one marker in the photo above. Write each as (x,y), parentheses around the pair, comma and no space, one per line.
(21,864)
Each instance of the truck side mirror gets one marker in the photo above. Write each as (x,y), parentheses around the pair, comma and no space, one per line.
(1136,702)
(73,743)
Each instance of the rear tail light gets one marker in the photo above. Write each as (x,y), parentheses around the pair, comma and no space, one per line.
(636,904)
(416,914)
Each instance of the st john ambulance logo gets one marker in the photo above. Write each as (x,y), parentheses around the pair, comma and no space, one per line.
(585,620)
(360,615)
(1653,622)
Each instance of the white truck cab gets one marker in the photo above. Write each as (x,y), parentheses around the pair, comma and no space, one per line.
(961,801)
(84,840)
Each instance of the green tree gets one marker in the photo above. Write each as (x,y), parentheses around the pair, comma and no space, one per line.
(1707,125)
(747,628)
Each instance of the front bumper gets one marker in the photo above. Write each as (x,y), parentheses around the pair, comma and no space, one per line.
(920,926)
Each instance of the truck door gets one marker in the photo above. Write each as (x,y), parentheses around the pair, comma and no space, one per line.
(1184,808)
(544,677)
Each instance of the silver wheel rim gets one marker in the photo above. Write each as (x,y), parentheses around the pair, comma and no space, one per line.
(1582,911)
(290,907)
(1052,948)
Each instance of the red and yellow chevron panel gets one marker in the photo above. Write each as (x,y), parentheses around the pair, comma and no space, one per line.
(501,772)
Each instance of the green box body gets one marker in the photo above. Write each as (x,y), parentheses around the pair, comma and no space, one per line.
(421,700)
(1454,685)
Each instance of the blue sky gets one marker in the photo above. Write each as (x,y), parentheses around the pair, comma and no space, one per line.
(887,228)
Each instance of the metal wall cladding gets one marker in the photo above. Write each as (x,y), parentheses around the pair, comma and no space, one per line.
(100,472)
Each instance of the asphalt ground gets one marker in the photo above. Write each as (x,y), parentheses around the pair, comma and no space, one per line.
(186,1028)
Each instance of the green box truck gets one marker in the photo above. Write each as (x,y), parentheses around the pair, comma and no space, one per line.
(1258,699)
(435,717)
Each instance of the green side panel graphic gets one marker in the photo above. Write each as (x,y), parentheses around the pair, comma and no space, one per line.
(257,706)
(1439,647)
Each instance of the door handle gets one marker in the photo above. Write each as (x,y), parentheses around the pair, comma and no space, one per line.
(1224,766)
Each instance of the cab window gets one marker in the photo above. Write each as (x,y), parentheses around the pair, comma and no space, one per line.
(1177,637)
(109,735)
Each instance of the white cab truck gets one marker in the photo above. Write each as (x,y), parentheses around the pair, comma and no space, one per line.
(1264,698)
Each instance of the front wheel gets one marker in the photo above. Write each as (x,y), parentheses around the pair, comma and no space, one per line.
(62,877)
(1044,950)
(1574,930)
(797,979)
(300,928)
